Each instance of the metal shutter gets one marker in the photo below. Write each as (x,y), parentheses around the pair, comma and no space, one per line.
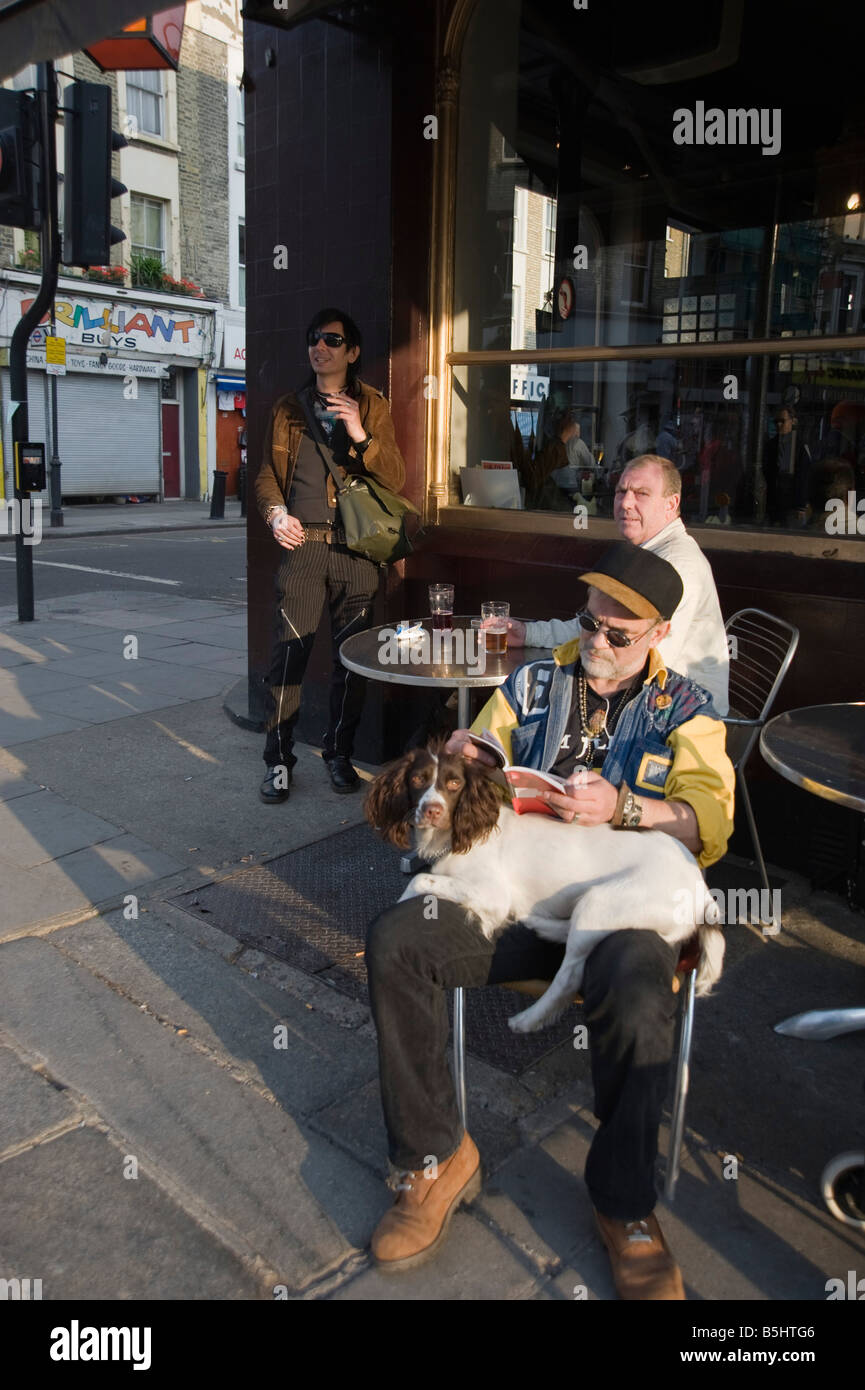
(107,444)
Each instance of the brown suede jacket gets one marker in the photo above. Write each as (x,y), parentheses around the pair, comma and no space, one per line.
(382,459)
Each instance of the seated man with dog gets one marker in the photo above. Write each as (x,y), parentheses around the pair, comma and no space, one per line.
(640,747)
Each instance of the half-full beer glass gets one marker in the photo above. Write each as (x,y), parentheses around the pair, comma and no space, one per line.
(494,625)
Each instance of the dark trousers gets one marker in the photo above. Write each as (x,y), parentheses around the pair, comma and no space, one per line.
(629,1008)
(310,576)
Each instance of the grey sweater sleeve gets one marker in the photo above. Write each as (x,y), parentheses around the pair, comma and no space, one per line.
(553,633)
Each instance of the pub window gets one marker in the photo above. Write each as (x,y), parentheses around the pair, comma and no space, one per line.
(635,239)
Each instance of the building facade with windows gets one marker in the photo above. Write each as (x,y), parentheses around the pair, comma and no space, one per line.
(153,399)
(629,222)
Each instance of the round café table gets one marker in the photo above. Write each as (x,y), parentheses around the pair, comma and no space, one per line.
(370,655)
(822,749)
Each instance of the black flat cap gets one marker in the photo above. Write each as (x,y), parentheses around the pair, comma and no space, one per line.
(640,581)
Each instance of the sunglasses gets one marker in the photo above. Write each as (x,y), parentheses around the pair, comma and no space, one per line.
(614,635)
(332,339)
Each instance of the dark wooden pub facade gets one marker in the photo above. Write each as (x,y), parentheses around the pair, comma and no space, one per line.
(618,216)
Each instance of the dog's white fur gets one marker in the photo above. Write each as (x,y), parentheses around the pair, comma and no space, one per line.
(574,884)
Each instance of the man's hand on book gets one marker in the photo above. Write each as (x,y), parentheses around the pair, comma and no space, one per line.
(590,800)
(460,742)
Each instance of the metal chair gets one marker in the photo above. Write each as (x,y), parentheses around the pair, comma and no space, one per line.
(687,967)
(761,650)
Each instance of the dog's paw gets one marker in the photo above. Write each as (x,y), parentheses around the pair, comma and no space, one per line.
(524,1023)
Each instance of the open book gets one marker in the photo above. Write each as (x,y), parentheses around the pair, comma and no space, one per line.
(523,784)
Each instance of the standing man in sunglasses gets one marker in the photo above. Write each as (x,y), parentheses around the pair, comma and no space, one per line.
(334,414)
(646,509)
(639,746)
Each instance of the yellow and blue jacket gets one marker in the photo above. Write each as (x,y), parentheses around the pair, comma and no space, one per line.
(669,741)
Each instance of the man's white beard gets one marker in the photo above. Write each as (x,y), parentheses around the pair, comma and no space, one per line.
(604,668)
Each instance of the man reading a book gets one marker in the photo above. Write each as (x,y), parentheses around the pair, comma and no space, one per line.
(638,746)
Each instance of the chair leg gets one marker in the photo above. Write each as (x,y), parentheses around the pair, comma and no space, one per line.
(683,1076)
(771,926)
(460,1052)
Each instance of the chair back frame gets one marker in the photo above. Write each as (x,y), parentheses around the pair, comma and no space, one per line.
(773,633)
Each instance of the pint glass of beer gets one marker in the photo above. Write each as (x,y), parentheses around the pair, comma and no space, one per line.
(441,605)
(494,625)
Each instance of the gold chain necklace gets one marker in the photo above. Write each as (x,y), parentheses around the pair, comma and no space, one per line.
(593,728)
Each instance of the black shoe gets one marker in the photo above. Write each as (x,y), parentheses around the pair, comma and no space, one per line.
(271,793)
(342,775)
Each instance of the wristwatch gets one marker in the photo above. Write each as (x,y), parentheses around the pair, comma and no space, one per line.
(364,444)
(632,812)
(272,512)
(629,811)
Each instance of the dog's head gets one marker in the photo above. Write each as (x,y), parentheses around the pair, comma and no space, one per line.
(433,790)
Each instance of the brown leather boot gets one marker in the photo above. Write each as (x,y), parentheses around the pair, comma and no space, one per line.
(417,1223)
(643,1267)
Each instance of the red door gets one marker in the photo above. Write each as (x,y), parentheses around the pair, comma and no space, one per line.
(170,449)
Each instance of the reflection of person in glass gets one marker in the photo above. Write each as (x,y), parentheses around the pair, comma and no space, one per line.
(779,467)
(579,457)
(544,491)
(667,443)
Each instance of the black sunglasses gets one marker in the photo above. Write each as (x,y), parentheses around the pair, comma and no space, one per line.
(332,339)
(614,635)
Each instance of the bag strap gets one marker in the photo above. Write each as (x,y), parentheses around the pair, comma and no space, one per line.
(309,416)
(342,484)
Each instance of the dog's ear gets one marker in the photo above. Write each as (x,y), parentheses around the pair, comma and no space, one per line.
(436,743)
(387,805)
(476,811)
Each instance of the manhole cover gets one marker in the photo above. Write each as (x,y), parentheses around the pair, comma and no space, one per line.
(311,909)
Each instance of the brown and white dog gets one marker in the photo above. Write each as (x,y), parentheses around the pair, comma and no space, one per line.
(569,883)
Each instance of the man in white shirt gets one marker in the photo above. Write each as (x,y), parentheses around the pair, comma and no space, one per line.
(646,509)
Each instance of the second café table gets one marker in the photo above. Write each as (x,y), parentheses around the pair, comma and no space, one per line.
(363,652)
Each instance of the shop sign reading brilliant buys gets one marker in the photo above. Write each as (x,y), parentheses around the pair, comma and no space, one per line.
(119,324)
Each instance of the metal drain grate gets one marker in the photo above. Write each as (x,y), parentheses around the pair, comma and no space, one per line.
(311,909)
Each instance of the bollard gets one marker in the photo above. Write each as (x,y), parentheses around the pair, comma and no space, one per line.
(241,488)
(217,496)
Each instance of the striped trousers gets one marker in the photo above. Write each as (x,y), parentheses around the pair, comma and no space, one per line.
(310,576)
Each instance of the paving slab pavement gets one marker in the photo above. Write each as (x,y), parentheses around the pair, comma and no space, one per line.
(152,1036)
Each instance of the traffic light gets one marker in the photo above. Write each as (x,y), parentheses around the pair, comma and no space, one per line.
(88,186)
(19,168)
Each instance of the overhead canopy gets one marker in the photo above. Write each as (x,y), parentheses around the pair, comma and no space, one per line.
(33,31)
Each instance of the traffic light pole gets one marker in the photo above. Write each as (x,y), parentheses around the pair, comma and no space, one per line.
(50,242)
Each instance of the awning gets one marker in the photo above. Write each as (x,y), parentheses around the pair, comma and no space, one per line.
(229,383)
(33,31)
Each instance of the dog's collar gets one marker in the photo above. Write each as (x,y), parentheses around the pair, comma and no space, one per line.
(433,858)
